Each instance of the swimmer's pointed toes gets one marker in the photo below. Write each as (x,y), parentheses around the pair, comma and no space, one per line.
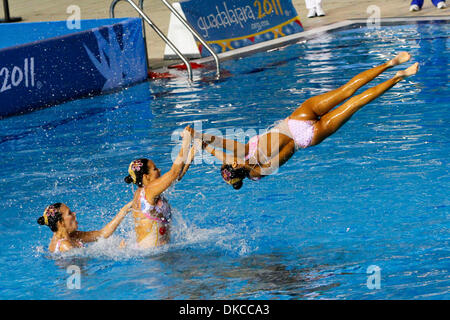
(409,71)
(401,57)
(416,67)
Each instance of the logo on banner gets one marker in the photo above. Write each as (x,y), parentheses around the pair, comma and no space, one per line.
(238,23)
(225,18)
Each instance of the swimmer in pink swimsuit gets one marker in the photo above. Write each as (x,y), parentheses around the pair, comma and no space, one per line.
(151,211)
(308,125)
(79,244)
(66,236)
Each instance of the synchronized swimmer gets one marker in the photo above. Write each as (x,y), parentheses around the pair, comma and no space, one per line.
(151,211)
(63,223)
(307,126)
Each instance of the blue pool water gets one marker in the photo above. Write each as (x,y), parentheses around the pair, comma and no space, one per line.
(375,193)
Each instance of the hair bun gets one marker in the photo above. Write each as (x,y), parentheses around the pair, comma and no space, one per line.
(41,221)
(238,185)
(128,179)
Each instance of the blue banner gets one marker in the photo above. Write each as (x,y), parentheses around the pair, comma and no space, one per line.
(231,24)
(59,69)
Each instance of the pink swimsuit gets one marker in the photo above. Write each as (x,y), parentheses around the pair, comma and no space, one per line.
(162,209)
(252,148)
(301,131)
(58,245)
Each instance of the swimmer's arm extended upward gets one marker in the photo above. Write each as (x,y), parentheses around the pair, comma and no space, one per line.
(106,231)
(190,157)
(158,186)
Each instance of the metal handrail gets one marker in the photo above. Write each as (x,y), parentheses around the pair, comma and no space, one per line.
(8,17)
(112,8)
(157,30)
(112,15)
(193,31)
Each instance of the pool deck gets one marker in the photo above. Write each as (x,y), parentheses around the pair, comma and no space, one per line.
(336,11)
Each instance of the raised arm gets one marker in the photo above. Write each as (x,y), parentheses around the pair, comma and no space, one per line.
(107,231)
(191,155)
(158,186)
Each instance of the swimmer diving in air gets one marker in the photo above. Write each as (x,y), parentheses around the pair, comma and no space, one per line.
(307,126)
(151,210)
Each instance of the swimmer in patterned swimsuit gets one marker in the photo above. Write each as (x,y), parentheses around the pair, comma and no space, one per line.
(151,211)
(307,126)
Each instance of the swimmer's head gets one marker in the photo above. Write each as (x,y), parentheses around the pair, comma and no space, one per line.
(233,175)
(58,216)
(141,172)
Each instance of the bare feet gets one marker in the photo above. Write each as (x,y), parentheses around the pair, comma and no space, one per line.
(402,57)
(408,72)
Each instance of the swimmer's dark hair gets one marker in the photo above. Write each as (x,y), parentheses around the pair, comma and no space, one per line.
(52,219)
(229,173)
(139,172)
(237,185)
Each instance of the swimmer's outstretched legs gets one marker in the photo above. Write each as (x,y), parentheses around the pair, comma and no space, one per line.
(315,107)
(333,120)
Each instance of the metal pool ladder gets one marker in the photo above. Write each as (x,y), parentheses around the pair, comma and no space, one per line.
(140,9)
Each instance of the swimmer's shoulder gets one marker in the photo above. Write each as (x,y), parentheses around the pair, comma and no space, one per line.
(63,246)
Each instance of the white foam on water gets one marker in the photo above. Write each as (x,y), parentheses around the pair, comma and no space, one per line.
(183,235)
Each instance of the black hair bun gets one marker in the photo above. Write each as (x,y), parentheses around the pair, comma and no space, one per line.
(41,221)
(128,179)
(238,185)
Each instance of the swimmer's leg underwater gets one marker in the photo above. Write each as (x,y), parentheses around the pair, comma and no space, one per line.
(333,120)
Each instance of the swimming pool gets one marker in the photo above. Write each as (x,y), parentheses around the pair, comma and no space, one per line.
(375,193)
